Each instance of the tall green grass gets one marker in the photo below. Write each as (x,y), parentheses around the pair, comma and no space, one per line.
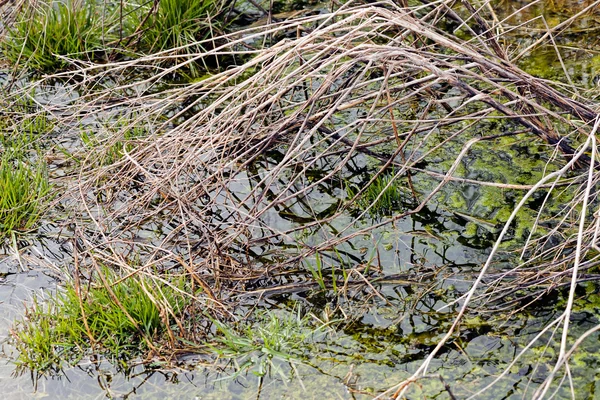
(49,29)
(178,23)
(24,184)
(24,193)
(120,318)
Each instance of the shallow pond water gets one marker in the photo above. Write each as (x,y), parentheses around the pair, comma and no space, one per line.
(381,337)
(379,348)
(375,334)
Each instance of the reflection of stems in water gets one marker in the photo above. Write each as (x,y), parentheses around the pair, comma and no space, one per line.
(260,386)
(248,144)
(401,388)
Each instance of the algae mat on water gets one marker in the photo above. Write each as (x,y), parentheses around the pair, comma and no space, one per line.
(377,197)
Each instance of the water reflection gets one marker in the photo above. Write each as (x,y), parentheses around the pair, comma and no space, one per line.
(382,337)
(415,268)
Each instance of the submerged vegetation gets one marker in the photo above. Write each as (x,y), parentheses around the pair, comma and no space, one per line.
(382,196)
(325,181)
(273,338)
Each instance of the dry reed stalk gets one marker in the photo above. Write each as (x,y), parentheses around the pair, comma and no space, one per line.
(342,90)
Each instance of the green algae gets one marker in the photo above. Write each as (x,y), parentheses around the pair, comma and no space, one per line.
(381,350)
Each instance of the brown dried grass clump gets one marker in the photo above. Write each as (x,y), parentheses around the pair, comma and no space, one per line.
(379,82)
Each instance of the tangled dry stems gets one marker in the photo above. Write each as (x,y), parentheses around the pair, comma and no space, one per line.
(366,82)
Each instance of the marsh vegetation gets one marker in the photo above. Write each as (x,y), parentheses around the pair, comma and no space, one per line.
(381,194)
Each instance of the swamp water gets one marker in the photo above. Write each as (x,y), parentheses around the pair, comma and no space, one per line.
(361,339)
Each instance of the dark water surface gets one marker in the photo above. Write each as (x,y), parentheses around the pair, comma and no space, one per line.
(426,261)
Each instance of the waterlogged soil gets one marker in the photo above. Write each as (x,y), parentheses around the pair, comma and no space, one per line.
(373,352)
(372,339)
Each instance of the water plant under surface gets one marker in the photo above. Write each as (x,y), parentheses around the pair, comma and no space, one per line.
(274,337)
(383,195)
(244,194)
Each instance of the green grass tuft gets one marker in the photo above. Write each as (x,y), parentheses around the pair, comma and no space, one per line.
(382,197)
(121,323)
(178,23)
(24,193)
(87,30)
(47,30)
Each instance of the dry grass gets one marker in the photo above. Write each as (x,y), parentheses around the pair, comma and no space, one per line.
(377,82)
